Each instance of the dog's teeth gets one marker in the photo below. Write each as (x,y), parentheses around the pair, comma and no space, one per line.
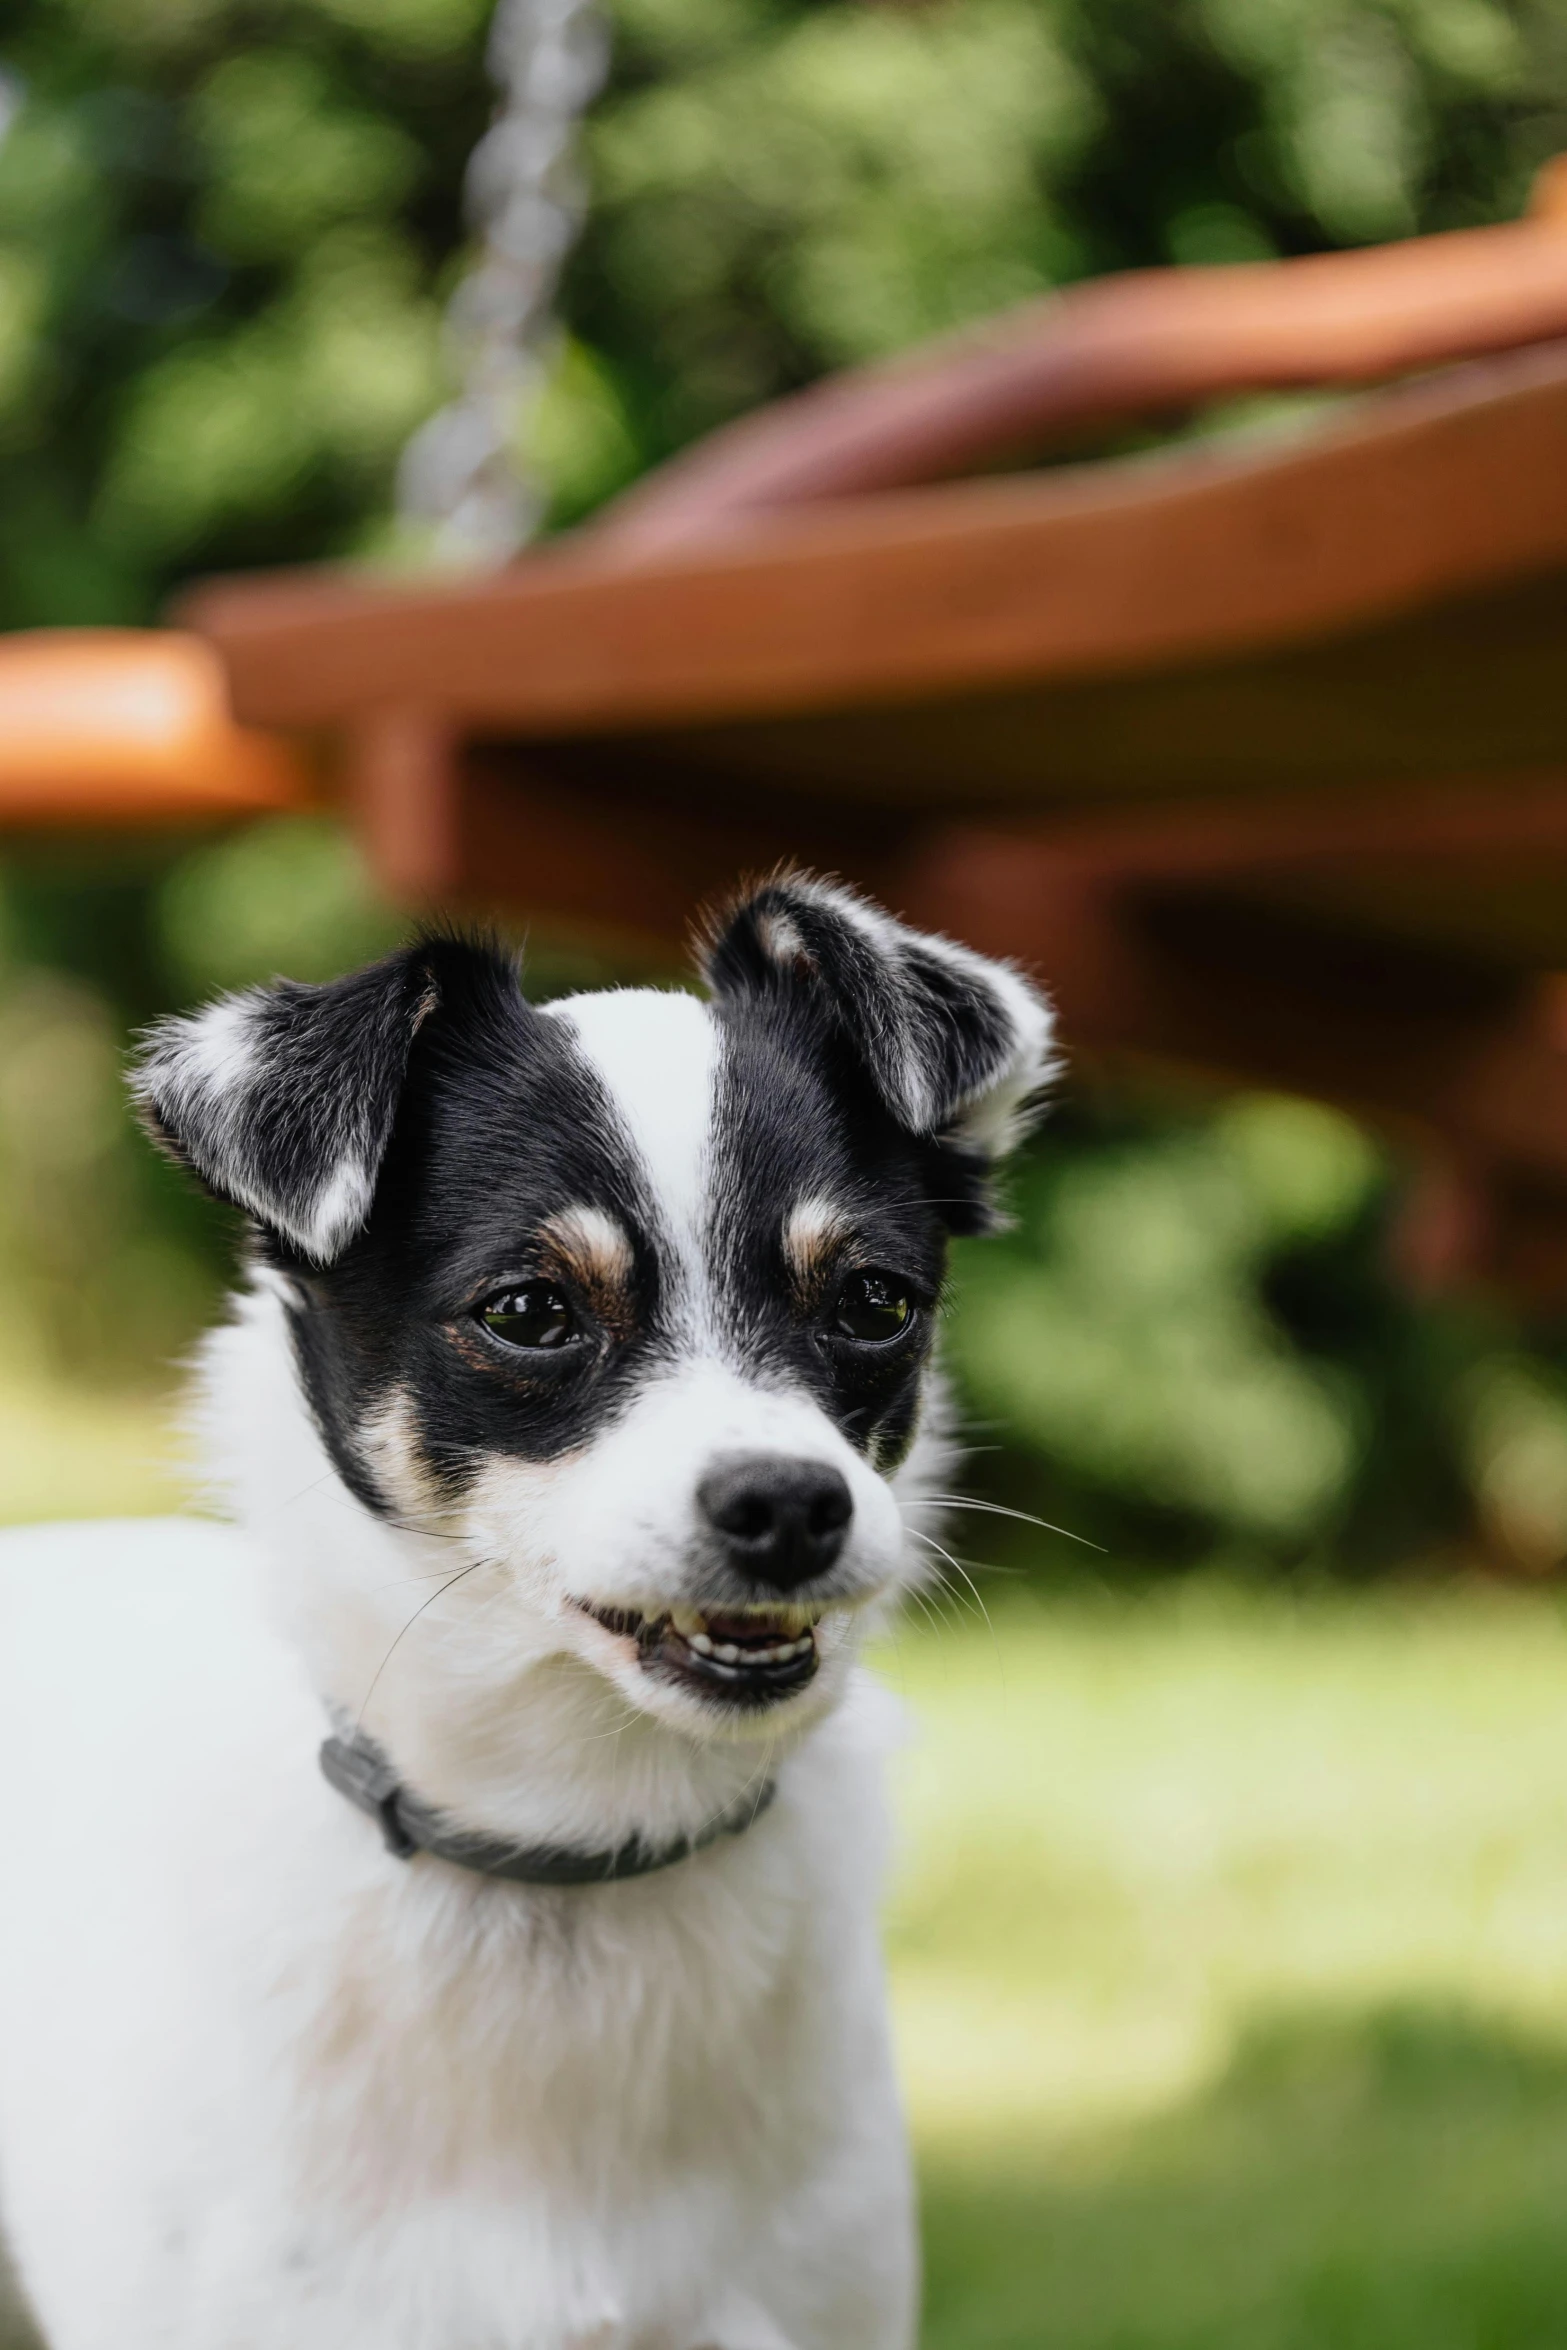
(688,1624)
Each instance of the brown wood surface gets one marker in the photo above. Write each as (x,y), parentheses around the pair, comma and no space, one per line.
(1467,686)
(1427,496)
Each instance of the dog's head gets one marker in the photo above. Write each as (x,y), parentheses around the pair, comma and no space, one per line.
(635,1292)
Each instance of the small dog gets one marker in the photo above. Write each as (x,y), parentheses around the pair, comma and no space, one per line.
(441,1907)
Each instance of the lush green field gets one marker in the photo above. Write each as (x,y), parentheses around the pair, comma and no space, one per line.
(1229,1947)
(1231,1972)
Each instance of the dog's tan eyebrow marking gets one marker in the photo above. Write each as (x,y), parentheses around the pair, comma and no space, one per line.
(595,1250)
(814,1230)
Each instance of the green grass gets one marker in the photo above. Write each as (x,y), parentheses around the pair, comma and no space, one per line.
(1230,1964)
(1229,1947)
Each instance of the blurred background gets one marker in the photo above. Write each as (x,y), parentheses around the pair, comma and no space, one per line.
(1231,1934)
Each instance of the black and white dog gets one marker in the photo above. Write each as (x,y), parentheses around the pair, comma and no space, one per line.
(439,1909)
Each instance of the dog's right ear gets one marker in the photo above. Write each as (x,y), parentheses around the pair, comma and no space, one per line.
(282,1098)
(957,1045)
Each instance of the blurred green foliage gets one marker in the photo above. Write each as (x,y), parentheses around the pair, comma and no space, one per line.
(227,228)
(1193,1335)
(1134,1338)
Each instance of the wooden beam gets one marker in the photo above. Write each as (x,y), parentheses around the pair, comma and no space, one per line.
(1436,822)
(401,787)
(1451,487)
(1463,688)
(1432,1046)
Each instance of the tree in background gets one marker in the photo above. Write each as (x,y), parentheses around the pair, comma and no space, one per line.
(227,229)
(226,225)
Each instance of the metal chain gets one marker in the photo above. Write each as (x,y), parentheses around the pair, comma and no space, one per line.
(461,485)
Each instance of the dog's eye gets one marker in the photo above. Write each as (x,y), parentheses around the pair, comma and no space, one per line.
(534,1315)
(872,1307)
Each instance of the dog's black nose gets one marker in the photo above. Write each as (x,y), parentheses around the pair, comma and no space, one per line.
(782,1520)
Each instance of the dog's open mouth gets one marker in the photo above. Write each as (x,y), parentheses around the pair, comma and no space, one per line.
(749,1656)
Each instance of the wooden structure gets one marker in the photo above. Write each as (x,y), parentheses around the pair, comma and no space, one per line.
(121,726)
(1255,745)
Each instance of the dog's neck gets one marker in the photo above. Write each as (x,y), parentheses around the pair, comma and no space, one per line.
(407,1631)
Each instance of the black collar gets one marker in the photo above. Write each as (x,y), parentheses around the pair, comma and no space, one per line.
(357,1768)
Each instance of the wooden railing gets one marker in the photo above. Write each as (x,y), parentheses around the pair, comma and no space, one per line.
(1116,350)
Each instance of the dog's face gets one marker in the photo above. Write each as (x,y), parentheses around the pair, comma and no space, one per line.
(633,1293)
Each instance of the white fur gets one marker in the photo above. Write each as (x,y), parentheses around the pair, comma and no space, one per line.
(337,1212)
(265,2088)
(657,1053)
(219,1047)
(996,1119)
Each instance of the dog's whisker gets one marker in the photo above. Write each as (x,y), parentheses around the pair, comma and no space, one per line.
(617,1731)
(328,1477)
(989,1566)
(921,1600)
(959,1568)
(996,1509)
(943,1609)
(424,1605)
(401,1582)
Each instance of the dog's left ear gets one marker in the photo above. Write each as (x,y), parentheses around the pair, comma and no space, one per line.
(958,1046)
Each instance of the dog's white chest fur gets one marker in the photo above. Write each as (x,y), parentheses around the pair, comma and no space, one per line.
(263,2084)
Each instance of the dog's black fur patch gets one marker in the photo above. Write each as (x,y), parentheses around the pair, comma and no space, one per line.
(927,1027)
(502,1123)
(795,1120)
